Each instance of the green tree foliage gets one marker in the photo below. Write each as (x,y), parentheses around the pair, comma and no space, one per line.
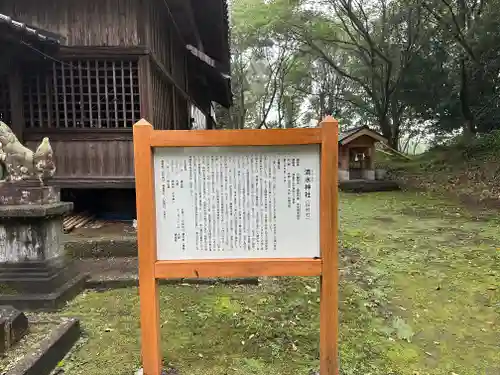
(409,67)
(459,67)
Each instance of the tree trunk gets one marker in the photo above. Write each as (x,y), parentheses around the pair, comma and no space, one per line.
(396,114)
(322,103)
(242,114)
(392,134)
(469,127)
(394,140)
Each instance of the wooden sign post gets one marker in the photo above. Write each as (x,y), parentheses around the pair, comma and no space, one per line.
(237,203)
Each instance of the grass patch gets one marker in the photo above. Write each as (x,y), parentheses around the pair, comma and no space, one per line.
(467,170)
(419,295)
(205,329)
(437,266)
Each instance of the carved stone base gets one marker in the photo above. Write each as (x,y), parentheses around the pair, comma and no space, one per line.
(34,277)
(32,286)
(33,269)
(13,327)
(31,232)
(22,193)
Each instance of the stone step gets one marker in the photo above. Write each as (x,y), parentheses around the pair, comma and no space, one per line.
(42,281)
(119,246)
(46,301)
(367,186)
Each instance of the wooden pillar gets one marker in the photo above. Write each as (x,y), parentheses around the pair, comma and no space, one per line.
(343,163)
(369,163)
(329,316)
(344,157)
(371,153)
(16,102)
(146,89)
(146,241)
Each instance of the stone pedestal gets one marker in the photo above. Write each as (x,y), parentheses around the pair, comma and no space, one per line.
(34,272)
(28,193)
(13,327)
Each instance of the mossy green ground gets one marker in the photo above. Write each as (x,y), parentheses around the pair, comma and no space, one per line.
(420,294)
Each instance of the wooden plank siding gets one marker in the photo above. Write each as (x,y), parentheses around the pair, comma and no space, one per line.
(81,23)
(168,68)
(90,159)
(156,31)
(162,97)
(5,110)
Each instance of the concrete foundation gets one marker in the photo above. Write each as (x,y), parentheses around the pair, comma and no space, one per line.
(33,270)
(343,174)
(380,174)
(368,174)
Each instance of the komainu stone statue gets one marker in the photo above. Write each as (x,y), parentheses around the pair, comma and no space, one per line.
(20,163)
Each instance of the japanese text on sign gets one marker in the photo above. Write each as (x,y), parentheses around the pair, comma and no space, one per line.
(237,202)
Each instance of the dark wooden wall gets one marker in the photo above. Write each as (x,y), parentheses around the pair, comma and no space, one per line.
(156,31)
(81,22)
(5,110)
(166,69)
(79,102)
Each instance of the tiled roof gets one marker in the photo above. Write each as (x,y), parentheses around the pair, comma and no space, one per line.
(41,35)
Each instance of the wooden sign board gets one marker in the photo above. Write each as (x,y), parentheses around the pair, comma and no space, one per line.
(237,203)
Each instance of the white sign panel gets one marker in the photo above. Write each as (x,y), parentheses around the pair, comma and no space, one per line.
(237,202)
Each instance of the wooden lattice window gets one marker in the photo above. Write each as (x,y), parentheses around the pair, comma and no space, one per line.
(83,94)
(5,114)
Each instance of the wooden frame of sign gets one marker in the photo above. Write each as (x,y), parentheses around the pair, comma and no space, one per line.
(146,140)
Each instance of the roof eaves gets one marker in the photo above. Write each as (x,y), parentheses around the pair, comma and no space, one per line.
(222,80)
(41,35)
(216,29)
(227,31)
(349,132)
(346,135)
(207,60)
